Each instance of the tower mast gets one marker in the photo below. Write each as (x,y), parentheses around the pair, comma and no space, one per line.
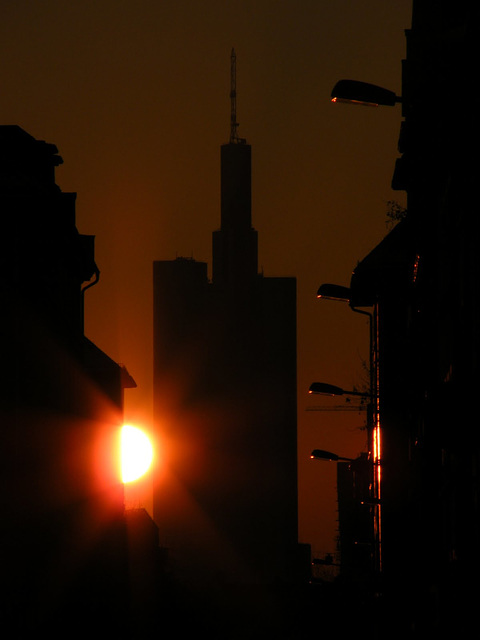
(234,138)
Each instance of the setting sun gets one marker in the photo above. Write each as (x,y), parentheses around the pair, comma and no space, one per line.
(136,453)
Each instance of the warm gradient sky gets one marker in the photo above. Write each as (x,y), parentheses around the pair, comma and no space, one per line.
(135,94)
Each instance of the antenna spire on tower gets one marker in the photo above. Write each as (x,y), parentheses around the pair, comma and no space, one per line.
(234,138)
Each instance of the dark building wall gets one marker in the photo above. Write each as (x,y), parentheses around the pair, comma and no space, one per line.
(429,335)
(235,243)
(442,58)
(62,546)
(236,186)
(180,306)
(355,532)
(180,363)
(225,410)
(278,389)
(225,497)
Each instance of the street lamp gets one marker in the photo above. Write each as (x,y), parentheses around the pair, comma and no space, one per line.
(325,389)
(320,454)
(363,93)
(334,292)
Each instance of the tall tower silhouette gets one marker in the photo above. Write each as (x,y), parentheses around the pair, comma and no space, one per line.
(225,494)
(235,244)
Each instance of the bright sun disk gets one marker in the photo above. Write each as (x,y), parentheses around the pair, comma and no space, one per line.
(136,453)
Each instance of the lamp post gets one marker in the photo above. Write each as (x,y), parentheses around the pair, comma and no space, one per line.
(362,93)
(345,294)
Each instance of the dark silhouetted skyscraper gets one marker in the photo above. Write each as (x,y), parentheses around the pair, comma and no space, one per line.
(225,497)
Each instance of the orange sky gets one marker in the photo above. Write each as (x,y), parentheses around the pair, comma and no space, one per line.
(135,94)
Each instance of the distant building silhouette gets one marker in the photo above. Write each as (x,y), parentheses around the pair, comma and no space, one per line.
(354,519)
(225,495)
(62,536)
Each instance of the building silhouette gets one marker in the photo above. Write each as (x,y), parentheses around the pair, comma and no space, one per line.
(421,282)
(225,495)
(354,522)
(62,534)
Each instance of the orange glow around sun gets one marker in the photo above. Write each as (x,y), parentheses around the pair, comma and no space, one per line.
(136,453)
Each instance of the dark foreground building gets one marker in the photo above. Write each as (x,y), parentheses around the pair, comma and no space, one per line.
(225,497)
(62,536)
(422,284)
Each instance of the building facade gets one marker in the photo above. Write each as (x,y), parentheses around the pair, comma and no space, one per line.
(61,402)
(225,495)
(422,284)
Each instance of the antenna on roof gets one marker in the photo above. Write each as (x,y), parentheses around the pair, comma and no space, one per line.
(234,138)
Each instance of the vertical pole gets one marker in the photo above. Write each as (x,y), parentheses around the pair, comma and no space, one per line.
(233,97)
